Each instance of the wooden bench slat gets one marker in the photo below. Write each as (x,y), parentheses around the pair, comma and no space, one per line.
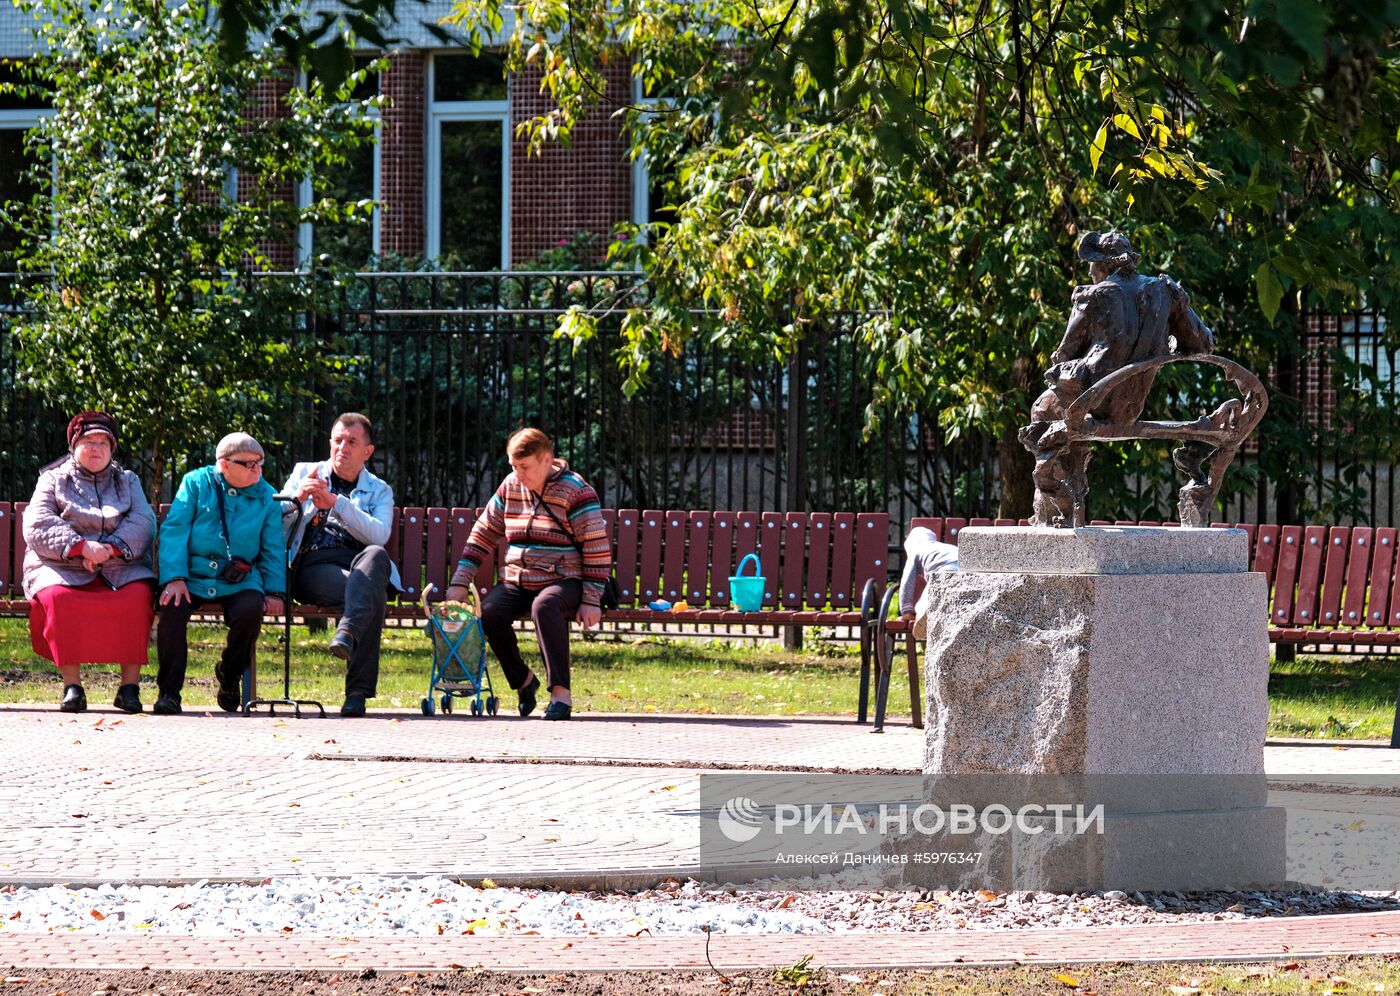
(439,554)
(770,552)
(8,526)
(1314,543)
(1382,574)
(18,547)
(951,528)
(672,587)
(933,524)
(843,548)
(628,526)
(818,558)
(411,560)
(1334,571)
(792,594)
(1266,551)
(722,529)
(651,524)
(872,547)
(1286,574)
(1352,611)
(697,568)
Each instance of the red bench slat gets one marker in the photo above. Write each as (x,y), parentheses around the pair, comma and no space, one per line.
(438,554)
(18,546)
(791,592)
(7,529)
(697,568)
(1382,573)
(1266,551)
(818,557)
(672,587)
(625,559)
(770,551)
(652,523)
(411,564)
(932,523)
(1334,573)
(1286,574)
(721,556)
(1353,608)
(843,547)
(951,528)
(872,547)
(1314,542)
(979,522)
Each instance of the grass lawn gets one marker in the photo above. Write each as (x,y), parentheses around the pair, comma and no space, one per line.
(1347,698)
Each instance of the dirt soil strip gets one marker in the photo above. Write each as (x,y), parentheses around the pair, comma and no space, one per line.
(1293,937)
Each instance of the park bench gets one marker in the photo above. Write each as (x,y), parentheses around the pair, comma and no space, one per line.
(821,567)
(1330,586)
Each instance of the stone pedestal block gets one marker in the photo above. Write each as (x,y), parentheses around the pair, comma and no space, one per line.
(1135,658)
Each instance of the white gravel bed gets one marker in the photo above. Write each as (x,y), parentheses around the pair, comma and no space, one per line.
(436,905)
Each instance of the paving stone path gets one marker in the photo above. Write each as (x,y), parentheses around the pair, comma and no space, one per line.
(602,801)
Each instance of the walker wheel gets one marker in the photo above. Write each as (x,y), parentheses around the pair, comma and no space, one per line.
(447,705)
(476,708)
(492,704)
(427,706)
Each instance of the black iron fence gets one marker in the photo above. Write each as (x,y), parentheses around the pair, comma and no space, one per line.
(447,364)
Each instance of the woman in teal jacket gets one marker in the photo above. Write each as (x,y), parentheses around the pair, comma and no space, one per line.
(221,542)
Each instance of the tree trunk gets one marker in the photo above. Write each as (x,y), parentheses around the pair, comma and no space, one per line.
(1015,462)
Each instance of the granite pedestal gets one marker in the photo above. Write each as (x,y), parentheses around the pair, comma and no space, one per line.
(1122,668)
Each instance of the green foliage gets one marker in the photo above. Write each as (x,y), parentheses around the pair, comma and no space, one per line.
(930,167)
(141,298)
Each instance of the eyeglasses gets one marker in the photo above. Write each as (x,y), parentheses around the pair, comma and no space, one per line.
(250,464)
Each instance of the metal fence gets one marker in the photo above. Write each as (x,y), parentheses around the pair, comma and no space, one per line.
(447,364)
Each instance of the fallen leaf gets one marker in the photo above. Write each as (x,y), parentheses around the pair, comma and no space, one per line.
(983,896)
(787,901)
(487,883)
(564,946)
(330,741)
(1067,980)
(1356,825)
(96,915)
(16,916)
(1291,966)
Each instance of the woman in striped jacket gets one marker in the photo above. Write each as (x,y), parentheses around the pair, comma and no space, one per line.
(557,563)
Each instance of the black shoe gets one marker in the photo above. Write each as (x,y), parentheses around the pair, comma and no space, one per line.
(559,710)
(128,698)
(343,645)
(167,704)
(74,699)
(354,706)
(229,695)
(527,696)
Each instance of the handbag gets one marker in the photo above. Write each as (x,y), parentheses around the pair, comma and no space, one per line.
(609,598)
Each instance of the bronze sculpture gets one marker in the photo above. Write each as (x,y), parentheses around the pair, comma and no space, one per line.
(1122,329)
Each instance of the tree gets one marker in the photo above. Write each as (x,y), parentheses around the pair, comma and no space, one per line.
(142,295)
(929,167)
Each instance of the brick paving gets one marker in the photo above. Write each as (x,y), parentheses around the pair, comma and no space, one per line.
(106,797)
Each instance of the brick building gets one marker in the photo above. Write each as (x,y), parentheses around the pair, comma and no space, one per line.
(452,182)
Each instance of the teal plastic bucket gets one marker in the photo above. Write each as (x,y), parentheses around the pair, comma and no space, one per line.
(747,591)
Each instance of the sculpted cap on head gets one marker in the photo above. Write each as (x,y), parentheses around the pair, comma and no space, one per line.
(1111,248)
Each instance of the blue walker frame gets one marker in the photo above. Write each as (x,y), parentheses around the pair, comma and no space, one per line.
(465,682)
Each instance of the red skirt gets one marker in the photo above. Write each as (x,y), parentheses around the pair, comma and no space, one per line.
(92,624)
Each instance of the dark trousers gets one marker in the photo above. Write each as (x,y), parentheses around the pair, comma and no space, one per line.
(243,614)
(357,584)
(550,609)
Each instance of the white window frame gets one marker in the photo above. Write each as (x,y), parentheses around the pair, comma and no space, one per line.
(641,168)
(306,245)
(441,112)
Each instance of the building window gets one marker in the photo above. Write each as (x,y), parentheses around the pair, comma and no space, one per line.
(468,162)
(354,243)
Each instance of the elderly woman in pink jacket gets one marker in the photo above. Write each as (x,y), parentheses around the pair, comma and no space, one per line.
(87,569)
